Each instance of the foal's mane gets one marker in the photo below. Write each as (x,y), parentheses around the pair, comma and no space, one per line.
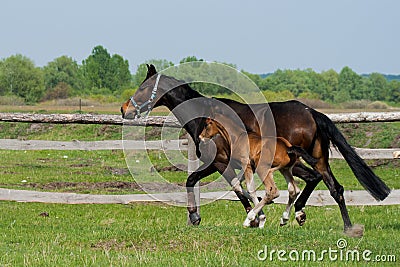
(232,127)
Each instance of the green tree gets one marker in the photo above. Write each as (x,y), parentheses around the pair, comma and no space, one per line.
(63,70)
(100,71)
(378,89)
(350,85)
(393,91)
(254,77)
(296,81)
(95,68)
(190,59)
(118,76)
(19,76)
(330,84)
(342,96)
(141,71)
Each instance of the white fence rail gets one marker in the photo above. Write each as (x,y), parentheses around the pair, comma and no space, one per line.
(181,145)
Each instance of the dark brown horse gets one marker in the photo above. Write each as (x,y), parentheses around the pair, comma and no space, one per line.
(299,124)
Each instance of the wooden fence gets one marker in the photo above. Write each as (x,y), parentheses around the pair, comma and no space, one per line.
(161,121)
(318,198)
(171,121)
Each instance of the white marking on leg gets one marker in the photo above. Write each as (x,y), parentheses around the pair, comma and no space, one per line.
(235,183)
(293,190)
(251,215)
(246,222)
(299,213)
(262,220)
(284,218)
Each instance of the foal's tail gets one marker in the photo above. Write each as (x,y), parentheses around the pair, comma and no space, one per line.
(330,133)
(300,152)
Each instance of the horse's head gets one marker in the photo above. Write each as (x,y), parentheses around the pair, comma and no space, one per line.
(209,131)
(145,96)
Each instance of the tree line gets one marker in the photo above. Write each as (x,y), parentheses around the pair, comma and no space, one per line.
(108,75)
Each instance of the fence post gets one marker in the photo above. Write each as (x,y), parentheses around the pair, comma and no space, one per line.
(193,164)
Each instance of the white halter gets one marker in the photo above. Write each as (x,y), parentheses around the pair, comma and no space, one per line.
(148,102)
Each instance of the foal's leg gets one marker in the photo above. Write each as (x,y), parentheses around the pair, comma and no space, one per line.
(271,192)
(293,190)
(249,177)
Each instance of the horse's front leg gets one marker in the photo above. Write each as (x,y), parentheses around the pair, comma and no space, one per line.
(228,172)
(197,175)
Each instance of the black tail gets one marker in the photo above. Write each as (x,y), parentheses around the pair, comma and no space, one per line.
(329,132)
(300,152)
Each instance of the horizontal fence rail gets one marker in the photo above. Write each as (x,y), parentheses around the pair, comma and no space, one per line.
(15,144)
(170,121)
(181,145)
(317,198)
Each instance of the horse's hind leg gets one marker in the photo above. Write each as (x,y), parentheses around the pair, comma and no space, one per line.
(293,190)
(336,191)
(312,179)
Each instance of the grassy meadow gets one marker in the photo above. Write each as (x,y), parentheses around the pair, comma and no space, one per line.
(148,234)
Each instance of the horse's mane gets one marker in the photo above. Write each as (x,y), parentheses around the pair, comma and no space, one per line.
(174,83)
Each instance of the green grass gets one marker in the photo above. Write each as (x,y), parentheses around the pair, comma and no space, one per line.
(53,165)
(59,132)
(19,169)
(372,135)
(157,235)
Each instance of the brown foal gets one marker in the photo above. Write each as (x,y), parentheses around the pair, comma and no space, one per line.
(263,155)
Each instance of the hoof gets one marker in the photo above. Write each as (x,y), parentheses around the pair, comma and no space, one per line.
(255,223)
(356,230)
(252,224)
(251,220)
(284,222)
(301,217)
(195,218)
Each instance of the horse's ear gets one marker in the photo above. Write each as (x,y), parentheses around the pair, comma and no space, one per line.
(151,70)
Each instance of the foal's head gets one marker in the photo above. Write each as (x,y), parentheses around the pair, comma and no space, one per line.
(210,130)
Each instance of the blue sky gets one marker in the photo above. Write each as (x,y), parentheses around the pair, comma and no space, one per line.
(257,36)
